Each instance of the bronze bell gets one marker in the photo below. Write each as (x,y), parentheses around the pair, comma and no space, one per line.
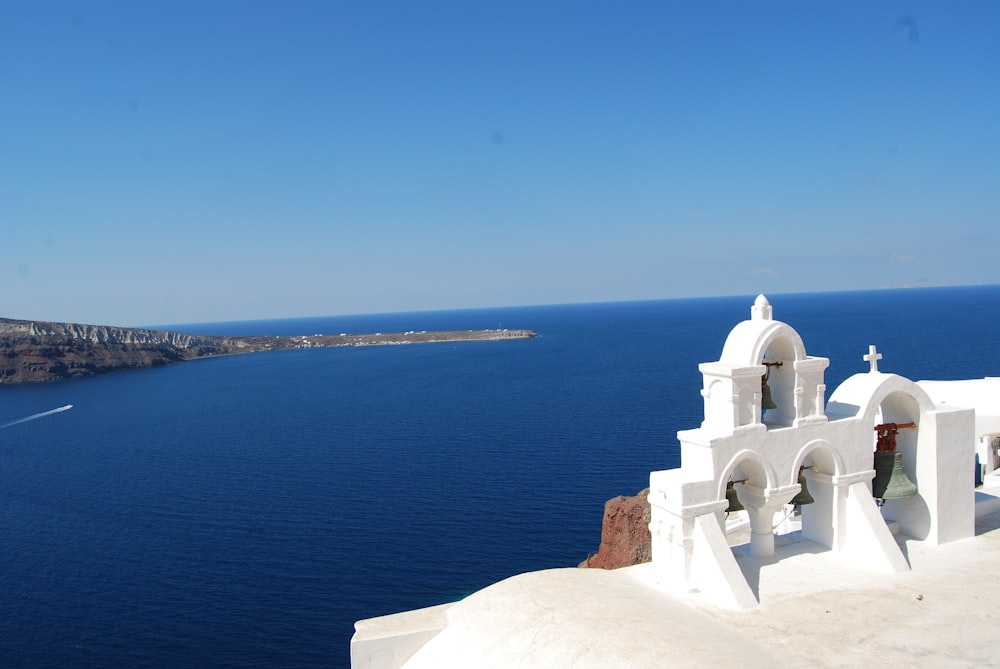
(732,498)
(803,496)
(767,402)
(891,481)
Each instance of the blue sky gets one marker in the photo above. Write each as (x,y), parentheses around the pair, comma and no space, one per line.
(182,161)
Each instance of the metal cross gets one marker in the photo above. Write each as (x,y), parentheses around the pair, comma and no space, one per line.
(872,358)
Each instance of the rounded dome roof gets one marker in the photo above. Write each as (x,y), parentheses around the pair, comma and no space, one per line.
(749,339)
(581,618)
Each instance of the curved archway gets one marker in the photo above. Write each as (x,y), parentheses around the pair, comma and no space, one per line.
(749,340)
(823,463)
(888,398)
(898,400)
(779,352)
(821,456)
(749,465)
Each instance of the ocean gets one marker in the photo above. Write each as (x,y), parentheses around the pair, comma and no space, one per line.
(244,511)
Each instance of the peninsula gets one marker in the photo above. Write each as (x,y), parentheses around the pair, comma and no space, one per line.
(33,351)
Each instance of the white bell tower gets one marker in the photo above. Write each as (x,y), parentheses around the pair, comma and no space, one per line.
(763,453)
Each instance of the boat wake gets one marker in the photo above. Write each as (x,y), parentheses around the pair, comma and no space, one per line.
(36,416)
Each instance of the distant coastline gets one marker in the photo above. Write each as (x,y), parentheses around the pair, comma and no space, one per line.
(37,351)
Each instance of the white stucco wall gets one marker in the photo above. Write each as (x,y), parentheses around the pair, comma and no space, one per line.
(983,396)
(831,445)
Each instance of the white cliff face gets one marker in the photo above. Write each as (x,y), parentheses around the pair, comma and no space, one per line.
(8,326)
(104,334)
(43,351)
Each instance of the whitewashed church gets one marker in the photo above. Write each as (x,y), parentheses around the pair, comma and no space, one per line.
(867,537)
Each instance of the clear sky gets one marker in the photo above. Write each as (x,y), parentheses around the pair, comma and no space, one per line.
(198,160)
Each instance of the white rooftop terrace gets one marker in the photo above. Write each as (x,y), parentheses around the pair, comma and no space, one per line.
(815,611)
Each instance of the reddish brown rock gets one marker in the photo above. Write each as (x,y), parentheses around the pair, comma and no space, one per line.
(625,536)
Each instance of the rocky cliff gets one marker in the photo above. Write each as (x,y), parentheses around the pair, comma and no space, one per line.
(44,351)
(12,330)
(625,538)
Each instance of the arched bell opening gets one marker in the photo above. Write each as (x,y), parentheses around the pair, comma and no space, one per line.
(817,467)
(778,382)
(896,437)
(745,473)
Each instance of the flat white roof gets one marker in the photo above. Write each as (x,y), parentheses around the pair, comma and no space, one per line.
(816,611)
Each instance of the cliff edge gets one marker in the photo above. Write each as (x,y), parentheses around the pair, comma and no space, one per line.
(32,351)
(625,538)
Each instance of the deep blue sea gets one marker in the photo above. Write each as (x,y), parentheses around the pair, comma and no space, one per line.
(244,511)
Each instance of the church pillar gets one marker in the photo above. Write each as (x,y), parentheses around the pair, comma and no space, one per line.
(821,520)
(761,505)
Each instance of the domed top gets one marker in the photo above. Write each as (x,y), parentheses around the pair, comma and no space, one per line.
(750,339)
(584,618)
(761,309)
